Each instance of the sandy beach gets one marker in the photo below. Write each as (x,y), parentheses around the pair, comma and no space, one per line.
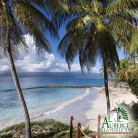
(117,96)
(91,104)
(76,107)
(85,108)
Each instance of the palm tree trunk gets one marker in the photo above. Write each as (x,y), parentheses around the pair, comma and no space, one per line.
(17,84)
(135,22)
(106,87)
(14,74)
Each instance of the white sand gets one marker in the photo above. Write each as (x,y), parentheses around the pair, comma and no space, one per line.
(117,96)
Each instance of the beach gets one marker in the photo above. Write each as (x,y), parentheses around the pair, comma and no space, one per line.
(85,108)
(117,96)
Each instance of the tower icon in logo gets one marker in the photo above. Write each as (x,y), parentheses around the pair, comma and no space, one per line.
(119,113)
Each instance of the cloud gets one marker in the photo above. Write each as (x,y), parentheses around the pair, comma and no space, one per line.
(32,62)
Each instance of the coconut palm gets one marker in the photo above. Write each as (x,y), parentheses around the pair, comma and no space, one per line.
(109,71)
(127,33)
(127,70)
(18,17)
(90,35)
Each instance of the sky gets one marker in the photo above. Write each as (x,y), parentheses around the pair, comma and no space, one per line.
(32,62)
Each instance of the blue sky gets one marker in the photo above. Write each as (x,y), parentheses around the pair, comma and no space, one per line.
(32,62)
(54,45)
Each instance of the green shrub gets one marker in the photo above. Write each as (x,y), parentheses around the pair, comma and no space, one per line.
(6,136)
(114,80)
(134,86)
(134,110)
(40,135)
(14,127)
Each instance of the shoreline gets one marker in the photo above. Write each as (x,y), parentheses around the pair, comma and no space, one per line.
(59,112)
(77,108)
(85,108)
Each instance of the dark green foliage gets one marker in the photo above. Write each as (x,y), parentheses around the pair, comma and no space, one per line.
(134,110)
(14,127)
(62,134)
(134,86)
(131,109)
(6,136)
(40,135)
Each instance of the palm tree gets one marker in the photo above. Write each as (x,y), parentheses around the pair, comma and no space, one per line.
(125,13)
(109,71)
(90,35)
(18,17)
(127,70)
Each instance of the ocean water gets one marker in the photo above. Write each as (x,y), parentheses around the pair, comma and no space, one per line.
(41,99)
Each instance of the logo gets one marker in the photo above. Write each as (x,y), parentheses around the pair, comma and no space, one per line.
(116,123)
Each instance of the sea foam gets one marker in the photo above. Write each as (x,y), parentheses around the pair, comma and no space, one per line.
(64,104)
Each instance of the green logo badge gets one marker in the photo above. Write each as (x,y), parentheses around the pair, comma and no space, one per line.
(116,123)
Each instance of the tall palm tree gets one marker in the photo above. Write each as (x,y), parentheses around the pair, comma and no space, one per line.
(90,35)
(18,17)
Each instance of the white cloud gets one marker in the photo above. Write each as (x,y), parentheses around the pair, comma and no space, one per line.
(32,62)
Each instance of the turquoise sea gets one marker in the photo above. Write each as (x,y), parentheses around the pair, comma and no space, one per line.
(41,99)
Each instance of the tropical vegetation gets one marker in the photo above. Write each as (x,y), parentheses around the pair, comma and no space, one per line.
(95,30)
(109,71)
(127,70)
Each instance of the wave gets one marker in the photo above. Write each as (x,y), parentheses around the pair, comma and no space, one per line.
(64,104)
(19,119)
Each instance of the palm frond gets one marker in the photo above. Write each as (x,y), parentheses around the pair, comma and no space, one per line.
(105,44)
(79,22)
(40,41)
(39,3)
(61,15)
(120,25)
(90,52)
(64,43)
(25,11)
(71,52)
(134,43)
(121,7)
